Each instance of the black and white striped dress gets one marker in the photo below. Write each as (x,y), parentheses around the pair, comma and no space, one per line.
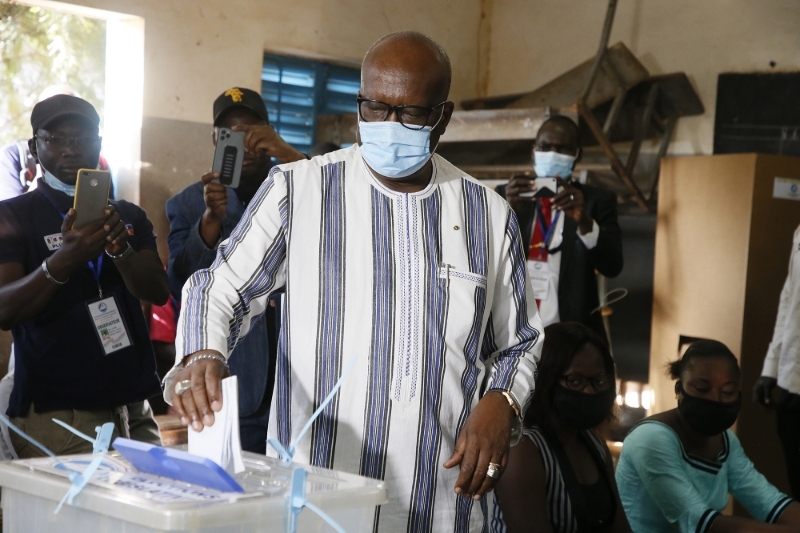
(559,504)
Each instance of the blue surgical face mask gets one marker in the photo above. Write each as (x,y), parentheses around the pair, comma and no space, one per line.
(392,150)
(552,164)
(56,183)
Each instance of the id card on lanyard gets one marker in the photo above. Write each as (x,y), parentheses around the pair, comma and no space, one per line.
(106,316)
(538,268)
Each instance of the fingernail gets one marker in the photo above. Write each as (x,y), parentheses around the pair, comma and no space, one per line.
(184,421)
(216,405)
(458,490)
(476,497)
(208,420)
(197,426)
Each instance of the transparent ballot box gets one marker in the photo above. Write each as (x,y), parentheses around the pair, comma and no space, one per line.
(118,499)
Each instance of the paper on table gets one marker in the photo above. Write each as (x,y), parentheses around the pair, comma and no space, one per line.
(220,442)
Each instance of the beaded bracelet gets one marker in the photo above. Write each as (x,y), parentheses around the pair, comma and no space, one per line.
(213,356)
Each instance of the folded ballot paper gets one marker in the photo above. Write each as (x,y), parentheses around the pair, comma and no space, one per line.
(220,442)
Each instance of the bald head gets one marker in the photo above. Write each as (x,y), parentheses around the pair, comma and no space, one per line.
(407,62)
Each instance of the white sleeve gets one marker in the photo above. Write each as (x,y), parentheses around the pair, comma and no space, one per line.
(591,238)
(220,302)
(773,357)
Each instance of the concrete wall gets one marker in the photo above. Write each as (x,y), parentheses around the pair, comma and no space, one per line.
(534,41)
(195,49)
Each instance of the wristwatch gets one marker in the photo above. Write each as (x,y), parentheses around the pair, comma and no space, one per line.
(123,255)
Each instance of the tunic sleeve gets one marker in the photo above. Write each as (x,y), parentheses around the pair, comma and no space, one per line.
(655,454)
(513,340)
(220,302)
(750,488)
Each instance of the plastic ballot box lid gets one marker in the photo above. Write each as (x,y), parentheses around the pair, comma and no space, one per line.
(118,498)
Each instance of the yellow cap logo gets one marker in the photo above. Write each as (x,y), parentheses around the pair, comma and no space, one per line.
(235,94)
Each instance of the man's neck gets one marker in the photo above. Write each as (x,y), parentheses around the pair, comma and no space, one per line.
(416,182)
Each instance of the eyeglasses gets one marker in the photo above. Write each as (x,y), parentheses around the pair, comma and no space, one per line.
(413,117)
(59,144)
(576,382)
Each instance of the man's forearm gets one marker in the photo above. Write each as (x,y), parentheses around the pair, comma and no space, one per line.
(25,298)
(145,277)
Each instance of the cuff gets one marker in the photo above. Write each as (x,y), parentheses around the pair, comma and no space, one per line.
(706,521)
(776,512)
(590,239)
(516,428)
(771,361)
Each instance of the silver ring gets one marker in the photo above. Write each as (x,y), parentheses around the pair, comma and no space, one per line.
(571,197)
(493,471)
(182,386)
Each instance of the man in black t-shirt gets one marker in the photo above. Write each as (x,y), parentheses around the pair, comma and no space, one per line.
(71,296)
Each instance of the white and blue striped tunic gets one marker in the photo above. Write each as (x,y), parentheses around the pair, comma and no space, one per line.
(428,289)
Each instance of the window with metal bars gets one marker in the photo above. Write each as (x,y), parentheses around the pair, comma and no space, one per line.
(296,91)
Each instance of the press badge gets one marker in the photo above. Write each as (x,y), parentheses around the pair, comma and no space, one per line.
(109,324)
(539,273)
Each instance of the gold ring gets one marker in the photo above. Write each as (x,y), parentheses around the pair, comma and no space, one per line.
(493,471)
(182,386)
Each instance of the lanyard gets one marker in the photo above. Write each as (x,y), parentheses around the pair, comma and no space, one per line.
(547,231)
(95,267)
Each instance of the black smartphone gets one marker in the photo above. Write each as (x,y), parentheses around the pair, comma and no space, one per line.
(228,156)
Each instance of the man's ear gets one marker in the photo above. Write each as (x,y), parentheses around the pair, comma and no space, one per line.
(447,113)
(214,136)
(32,148)
(578,156)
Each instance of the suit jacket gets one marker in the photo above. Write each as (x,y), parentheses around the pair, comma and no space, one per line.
(253,359)
(577,283)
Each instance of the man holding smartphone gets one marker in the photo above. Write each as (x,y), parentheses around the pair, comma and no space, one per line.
(65,289)
(202,216)
(568,233)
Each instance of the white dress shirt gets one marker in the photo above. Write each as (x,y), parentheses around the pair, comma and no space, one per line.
(783,356)
(548,307)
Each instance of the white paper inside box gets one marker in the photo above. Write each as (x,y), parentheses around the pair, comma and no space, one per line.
(121,500)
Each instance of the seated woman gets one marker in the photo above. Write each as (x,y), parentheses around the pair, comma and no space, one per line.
(560,478)
(678,467)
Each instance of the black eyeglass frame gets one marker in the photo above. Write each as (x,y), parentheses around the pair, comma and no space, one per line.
(398,109)
(71,141)
(586,381)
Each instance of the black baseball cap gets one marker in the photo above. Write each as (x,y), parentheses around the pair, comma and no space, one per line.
(240,97)
(59,106)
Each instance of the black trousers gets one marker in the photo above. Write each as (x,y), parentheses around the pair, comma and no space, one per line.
(788,421)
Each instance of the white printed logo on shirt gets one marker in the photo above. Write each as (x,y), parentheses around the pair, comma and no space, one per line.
(53,241)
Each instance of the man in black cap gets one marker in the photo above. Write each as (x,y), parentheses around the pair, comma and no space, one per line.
(203,215)
(62,289)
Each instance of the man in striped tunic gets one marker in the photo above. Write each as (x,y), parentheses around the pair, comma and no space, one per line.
(396,257)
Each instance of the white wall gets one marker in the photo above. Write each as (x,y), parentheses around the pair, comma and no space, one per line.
(534,41)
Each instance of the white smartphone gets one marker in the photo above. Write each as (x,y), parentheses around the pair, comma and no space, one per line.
(228,156)
(545,188)
(91,196)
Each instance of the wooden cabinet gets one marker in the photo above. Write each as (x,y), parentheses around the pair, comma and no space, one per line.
(721,258)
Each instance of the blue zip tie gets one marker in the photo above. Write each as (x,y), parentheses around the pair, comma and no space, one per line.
(79,481)
(103,440)
(297,501)
(287,455)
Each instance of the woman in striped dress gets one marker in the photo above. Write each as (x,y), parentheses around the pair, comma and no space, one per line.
(560,479)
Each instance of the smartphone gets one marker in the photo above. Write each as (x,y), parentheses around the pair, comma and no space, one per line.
(545,188)
(228,156)
(91,196)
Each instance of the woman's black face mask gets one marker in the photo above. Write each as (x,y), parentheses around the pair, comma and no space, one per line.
(707,417)
(580,410)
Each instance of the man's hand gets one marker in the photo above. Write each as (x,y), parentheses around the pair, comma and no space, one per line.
(266,139)
(570,200)
(198,404)
(762,391)
(117,238)
(78,246)
(485,439)
(517,185)
(216,198)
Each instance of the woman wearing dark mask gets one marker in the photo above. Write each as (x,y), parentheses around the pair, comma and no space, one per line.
(560,478)
(678,467)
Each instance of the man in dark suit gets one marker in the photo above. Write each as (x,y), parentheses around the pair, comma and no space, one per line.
(567,236)
(202,216)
